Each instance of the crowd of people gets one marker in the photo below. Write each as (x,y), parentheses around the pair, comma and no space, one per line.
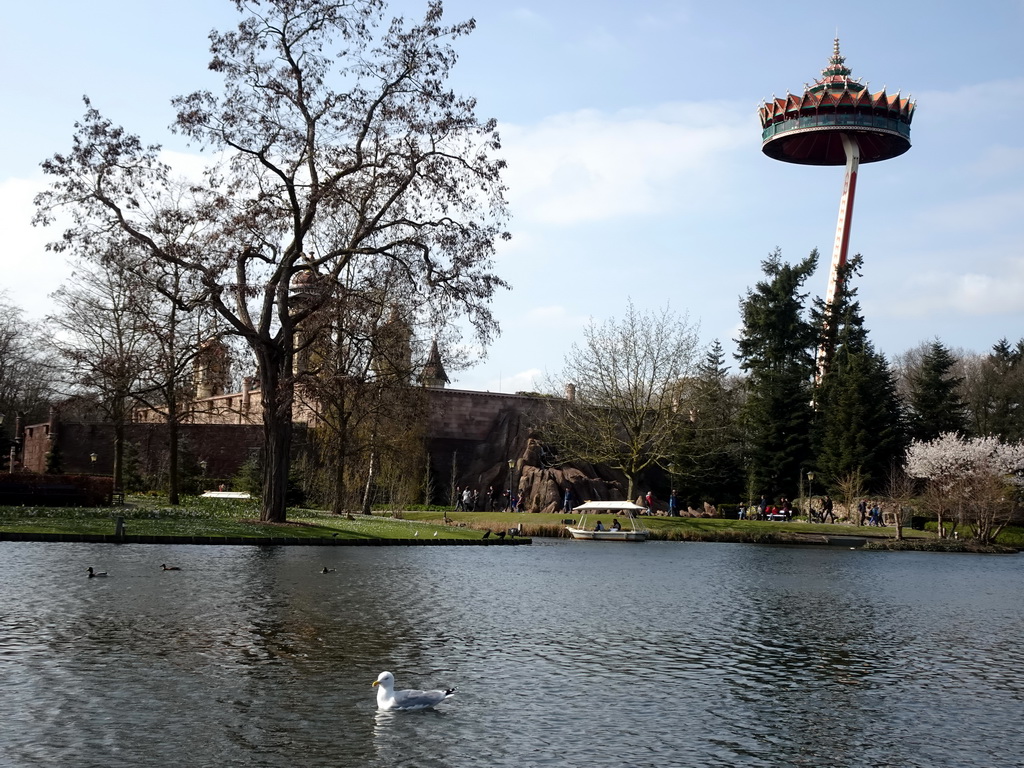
(492,500)
(819,511)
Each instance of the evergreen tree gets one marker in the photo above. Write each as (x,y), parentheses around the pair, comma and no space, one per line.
(776,349)
(858,420)
(54,459)
(994,392)
(935,403)
(708,464)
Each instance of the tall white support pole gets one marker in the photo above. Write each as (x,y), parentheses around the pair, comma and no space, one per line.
(840,250)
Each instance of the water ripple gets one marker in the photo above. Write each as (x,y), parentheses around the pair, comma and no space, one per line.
(564,653)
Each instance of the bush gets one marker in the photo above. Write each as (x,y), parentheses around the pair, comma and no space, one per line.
(25,489)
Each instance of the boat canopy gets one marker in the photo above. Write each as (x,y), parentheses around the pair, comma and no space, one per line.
(609,506)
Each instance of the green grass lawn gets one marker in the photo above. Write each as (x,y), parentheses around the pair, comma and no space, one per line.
(672,528)
(146,516)
(152,516)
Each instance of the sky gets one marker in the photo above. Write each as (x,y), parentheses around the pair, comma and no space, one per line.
(634,157)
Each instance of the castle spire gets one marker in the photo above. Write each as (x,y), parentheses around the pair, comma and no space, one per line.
(433,374)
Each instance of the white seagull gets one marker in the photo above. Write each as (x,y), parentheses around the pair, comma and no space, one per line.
(389,698)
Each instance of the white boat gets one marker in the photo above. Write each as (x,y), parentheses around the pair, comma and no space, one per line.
(634,532)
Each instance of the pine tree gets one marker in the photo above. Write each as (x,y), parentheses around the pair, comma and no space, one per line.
(935,403)
(776,349)
(708,464)
(858,419)
(994,392)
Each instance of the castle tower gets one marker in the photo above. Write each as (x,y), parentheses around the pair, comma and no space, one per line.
(433,374)
(307,288)
(392,349)
(211,369)
(837,121)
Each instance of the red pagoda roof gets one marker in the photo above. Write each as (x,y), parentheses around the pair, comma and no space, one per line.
(836,102)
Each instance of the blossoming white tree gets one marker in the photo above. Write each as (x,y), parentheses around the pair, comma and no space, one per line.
(975,481)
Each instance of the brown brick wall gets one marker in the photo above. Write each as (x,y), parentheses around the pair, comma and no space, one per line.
(457,414)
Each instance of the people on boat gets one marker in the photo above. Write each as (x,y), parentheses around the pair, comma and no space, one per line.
(616,526)
(598,526)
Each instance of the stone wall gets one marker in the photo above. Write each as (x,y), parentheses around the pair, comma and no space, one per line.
(459,414)
(224,447)
(472,438)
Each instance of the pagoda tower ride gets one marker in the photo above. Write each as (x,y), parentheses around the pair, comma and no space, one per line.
(837,121)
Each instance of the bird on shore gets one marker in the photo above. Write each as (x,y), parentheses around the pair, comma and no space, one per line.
(328,570)
(409,700)
(94,574)
(487,534)
(500,534)
(165,567)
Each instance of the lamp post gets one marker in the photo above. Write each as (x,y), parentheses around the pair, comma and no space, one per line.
(511,474)
(810,493)
(92,458)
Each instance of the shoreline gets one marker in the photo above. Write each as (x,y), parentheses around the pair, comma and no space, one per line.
(867,543)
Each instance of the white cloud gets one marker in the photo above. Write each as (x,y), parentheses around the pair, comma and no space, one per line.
(523,381)
(555,316)
(29,272)
(990,218)
(950,104)
(531,18)
(594,166)
(969,293)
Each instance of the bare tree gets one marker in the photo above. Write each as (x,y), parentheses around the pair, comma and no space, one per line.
(625,410)
(354,375)
(99,335)
(175,336)
(24,375)
(340,142)
(850,488)
(900,493)
(26,385)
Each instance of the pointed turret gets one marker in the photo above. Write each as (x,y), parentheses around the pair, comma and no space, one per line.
(433,374)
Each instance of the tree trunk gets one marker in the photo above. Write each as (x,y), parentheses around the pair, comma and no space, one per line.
(172,455)
(338,504)
(339,418)
(370,475)
(171,388)
(276,395)
(118,468)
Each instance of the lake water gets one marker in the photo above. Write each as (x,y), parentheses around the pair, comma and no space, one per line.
(564,653)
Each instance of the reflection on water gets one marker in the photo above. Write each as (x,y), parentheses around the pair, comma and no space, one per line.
(564,653)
